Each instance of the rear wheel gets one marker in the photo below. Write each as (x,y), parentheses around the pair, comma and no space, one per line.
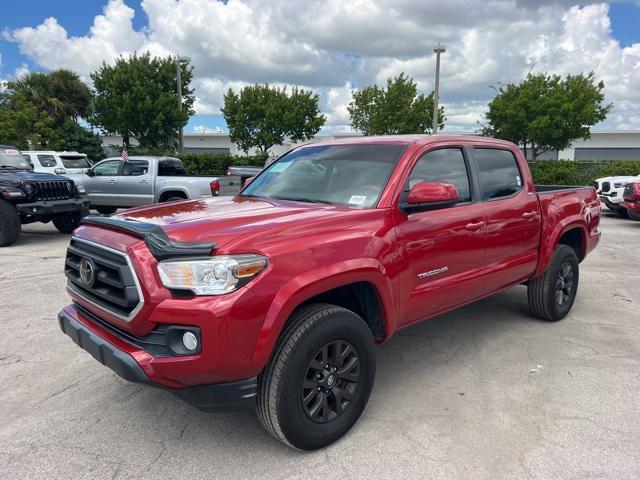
(106,210)
(174,198)
(68,223)
(552,294)
(9,224)
(319,379)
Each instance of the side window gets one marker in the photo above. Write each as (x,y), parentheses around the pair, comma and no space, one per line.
(166,168)
(445,165)
(135,168)
(107,169)
(499,173)
(47,160)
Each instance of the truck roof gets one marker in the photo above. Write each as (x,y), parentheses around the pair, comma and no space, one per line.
(422,139)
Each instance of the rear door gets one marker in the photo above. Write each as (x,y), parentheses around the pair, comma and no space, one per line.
(513,218)
(102,187)
(441,250)
(134,183)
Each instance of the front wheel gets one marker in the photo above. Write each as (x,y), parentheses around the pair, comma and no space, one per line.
(552,294)
(68,223)
(622,212)
(106,210)
(9,224)
(633,215)
(320,377)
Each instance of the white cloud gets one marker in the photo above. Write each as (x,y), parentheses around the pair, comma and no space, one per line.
(334,46)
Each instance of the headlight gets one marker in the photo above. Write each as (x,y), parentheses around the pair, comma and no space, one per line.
(212,276)
(70,186)
(28,188)
(80,189)
(618,185)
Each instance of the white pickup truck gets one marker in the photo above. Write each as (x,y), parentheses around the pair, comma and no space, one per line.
(611,189)
(142,180)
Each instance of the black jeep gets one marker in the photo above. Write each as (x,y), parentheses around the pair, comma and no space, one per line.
(27,197)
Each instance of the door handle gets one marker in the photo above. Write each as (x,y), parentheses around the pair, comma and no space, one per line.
(473,226)
(143,181)
(111,181)
(528,215)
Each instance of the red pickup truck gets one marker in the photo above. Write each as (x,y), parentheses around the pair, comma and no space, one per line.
(276,297)
(631,200)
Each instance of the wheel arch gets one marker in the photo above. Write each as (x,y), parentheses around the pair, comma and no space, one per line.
(571,233)
(173,192)
(358,285)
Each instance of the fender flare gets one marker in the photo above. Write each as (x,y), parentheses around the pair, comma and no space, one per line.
(314,282)
(549,242)
(173,189)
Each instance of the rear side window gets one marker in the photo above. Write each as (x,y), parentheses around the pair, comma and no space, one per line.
(445,165)
(75,161)
(170,167)
(47,160)
(135,168)
(499,173)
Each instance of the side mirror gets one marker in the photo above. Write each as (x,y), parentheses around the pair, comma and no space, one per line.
(89,172)
(429,195)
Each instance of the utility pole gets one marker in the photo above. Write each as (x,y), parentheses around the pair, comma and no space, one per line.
(438,50)
(180,59)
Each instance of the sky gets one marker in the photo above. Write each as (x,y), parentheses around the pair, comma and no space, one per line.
(335,46)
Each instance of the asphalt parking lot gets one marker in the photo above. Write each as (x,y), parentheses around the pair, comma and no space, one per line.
(483,392)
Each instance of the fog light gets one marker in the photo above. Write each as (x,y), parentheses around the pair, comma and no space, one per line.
(190,341)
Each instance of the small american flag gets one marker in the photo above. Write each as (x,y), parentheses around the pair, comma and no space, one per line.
(125,154)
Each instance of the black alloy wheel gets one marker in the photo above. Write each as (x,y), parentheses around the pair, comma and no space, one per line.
(331,379)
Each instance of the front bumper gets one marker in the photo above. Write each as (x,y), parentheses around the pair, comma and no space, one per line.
(208,398)
(52,208)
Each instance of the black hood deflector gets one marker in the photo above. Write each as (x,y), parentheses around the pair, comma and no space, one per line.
(156,239)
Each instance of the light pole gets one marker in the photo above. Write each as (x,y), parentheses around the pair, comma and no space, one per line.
(180,59)
(438,50)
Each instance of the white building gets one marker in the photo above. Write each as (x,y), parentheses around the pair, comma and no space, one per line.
(610,145)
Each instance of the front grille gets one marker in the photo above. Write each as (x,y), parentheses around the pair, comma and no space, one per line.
(606,186)
(53,190)
(113,286)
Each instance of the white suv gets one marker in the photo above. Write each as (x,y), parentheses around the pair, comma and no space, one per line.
(610,191)
(59,163)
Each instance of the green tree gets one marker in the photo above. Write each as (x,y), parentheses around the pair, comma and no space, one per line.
(21,123)
(545,112)
(61,94)
(398,109)
(137,97)
(261,116)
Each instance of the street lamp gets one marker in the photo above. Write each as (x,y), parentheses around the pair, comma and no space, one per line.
(438,50)
(180,59)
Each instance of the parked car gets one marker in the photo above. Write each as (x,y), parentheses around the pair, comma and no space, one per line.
(114,183)
(631,200)
(611,189)
(246,173)
(27,197)
(276,297)
(59,163)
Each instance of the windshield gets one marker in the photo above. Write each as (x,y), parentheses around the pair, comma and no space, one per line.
(351,175)
(11,158)
(75,161)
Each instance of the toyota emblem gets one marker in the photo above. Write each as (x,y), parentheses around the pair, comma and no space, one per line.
(87,271)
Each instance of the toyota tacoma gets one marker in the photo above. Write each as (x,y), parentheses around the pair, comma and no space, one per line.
(275,298)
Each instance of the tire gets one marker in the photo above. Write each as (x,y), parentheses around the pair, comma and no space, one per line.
(622,212)
(68,223)
(9,224)
(289,378)
(633,215)
(552,294)
(106,210)
(173,198)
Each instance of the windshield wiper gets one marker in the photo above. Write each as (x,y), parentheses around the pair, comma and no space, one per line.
(300,199)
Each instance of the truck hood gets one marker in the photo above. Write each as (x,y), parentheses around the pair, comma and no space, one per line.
(627,178)
(28,175)
(238,219)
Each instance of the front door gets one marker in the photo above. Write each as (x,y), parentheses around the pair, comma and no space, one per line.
(441,250)
(135,183)
(102,186)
